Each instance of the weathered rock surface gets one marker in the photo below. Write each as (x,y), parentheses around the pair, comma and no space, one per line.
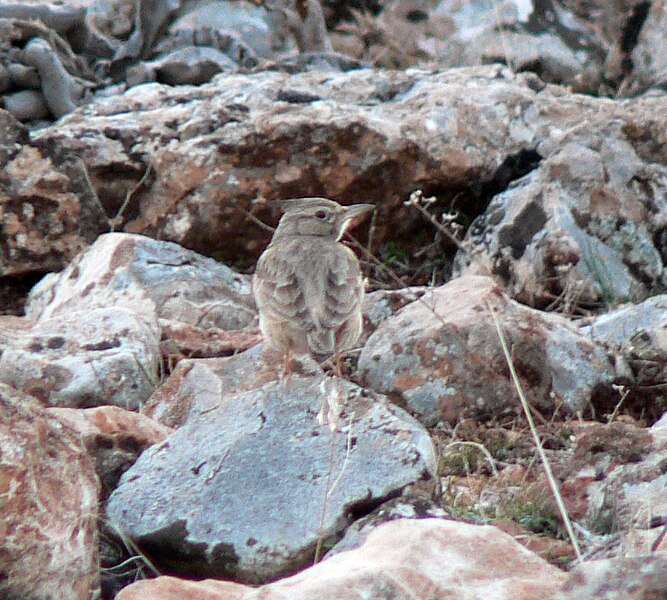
(82,359)
(614,482)
(579,230)
(197,385)
(143,274)
(589,46)
(636,336)
(48,209)
(415,559)
(441,358)
(113,438)
(382,304)
(95,332)
(648,56)
(49,538)
(474,130)
(272,133)
(246,489)
(633,578)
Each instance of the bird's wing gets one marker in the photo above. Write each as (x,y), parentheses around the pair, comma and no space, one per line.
(277,290)
(339,295)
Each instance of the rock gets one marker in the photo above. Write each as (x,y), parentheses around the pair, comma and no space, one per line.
(190,65)
(23,76)
(49,211)
(62,92)
(397,508)
(85,359)
(570,235)
(475,130)
(440,356)
(258,28)
(382,304)
(405,558)
(248,488)
(636,336)
(200,198)
(181,340)
(614,483)
(197,386)
(26,105)
(147,275)
(49,538)
(649,67)
(113,437)
(631,578)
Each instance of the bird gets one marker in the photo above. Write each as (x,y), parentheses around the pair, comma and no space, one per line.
(308,286)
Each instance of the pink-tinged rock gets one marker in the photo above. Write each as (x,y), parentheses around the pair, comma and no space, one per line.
(440,356)
(147,276)
(199,385)
(633,578)
(402,559)
(113,437)
(182,340)
(615,481)
(48,506)
(47,206)
(106,355)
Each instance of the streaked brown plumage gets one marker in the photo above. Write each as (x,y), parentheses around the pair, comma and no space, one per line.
(307,285)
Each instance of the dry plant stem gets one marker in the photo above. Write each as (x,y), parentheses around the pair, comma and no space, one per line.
(117,220)
(503,35)
(261,224)
(482,449)
(130,545)
(452,238)
(330,487)
(545,463)
(614,414)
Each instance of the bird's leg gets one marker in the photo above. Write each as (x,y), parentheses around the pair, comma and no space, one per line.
(287,363)
(338,360)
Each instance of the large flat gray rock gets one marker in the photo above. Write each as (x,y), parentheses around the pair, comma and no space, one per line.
(248,488)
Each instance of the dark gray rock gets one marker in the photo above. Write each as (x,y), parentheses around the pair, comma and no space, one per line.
(247,489)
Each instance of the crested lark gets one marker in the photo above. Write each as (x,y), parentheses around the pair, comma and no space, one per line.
(307,285)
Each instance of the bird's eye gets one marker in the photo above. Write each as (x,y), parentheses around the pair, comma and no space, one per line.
(320,214)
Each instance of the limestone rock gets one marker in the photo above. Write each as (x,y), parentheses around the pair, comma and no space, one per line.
(649,66)
(569,234)
(48,208)
(441,358)
(247,488)
(113,437)
(147,275)
(631,578)
(636,336)
(198,385)
(84,359)
(49,538)
(206,156)
(614,482)
(403,559)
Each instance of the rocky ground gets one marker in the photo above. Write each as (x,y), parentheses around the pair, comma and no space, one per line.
(516,153)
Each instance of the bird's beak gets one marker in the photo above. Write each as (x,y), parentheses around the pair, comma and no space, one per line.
(353,215)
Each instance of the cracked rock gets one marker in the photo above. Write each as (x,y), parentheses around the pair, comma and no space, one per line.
(246,489)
